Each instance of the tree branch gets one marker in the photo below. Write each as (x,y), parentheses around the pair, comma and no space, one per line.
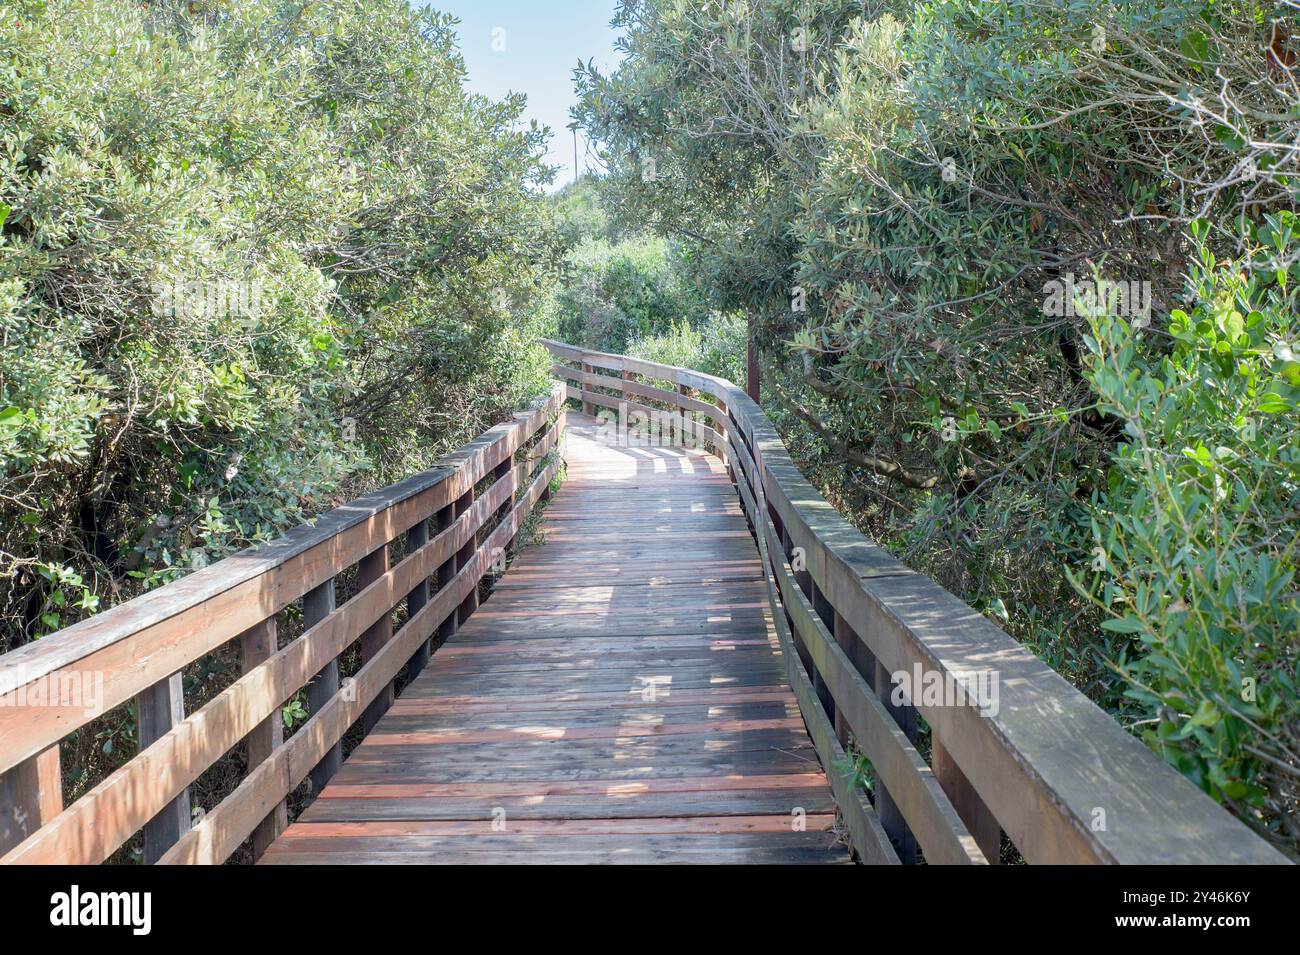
(881,466)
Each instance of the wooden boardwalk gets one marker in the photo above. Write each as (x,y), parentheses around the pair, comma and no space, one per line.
(619,698)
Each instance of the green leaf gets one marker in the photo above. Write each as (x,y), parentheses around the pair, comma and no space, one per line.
(1195,46)
(1207,714)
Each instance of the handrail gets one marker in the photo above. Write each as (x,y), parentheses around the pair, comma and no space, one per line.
(1038,761)
(137,650)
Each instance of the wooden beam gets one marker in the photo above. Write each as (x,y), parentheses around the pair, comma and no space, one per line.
(158,709)
(470,603)
(416,538)
(31,794)
(371,568)
(256,646)
(973,812)
(317,604)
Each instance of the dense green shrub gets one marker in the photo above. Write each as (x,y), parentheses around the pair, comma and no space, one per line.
(253,257)
(1196,531)
(716,347)
(616,291)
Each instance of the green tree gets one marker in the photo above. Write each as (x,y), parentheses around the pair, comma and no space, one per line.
(254,258)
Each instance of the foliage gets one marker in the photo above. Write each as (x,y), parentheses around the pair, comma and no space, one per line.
(616,284)
(253,257)
(717,347)
(1197,529)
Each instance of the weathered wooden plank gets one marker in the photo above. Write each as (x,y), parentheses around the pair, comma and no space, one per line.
(256,646)
(31,794)
(158,709)
(372,567)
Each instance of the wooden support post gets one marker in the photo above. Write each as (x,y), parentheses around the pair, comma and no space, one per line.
(979,821)
(504,510)
(158,709)
(371,567)
(846,639)
(463,557)
(416,538)
(891,819)
(447,569)
(31,794)
(826,612)
(587,407)
(804,581)
(687,427)
(257,645)
(317,604)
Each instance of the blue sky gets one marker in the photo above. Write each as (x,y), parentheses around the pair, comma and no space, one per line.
(534,51)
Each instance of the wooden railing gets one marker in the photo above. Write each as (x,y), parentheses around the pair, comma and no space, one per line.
(453,523)
(1036,760)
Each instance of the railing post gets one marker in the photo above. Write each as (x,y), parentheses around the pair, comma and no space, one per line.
(826,613)
(158,709)
(979,821)
(317,604)
(891,818)
(587,407)
(447,569)
(31,794)
(507,506)
(463,557)
(683,392)
(803,580)
(257,645)
(416,538)
(371,567)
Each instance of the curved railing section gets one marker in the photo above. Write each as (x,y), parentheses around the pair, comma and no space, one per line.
(874,648)
(449,526)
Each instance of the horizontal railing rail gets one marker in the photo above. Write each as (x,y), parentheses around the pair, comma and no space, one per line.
(454,522)
(866,641)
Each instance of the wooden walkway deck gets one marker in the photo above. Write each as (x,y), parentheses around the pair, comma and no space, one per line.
(619,698)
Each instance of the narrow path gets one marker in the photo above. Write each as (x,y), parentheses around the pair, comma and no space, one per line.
(619,698)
